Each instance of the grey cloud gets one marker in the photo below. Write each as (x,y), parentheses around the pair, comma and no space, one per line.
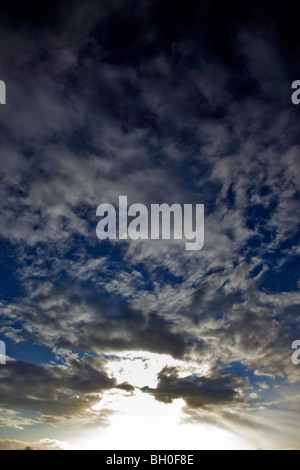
(196,391)
(56,392)
(265,64)
(43,444)
(104,323)
(126,386)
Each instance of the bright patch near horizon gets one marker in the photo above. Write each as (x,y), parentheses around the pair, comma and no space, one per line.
(140,369)
(140,422)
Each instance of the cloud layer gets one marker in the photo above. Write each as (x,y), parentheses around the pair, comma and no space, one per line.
(163,104)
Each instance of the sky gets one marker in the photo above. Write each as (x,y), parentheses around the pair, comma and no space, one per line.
(141,344)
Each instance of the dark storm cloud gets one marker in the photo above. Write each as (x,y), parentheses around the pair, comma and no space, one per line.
(56,392)
(196,391)
(106,323)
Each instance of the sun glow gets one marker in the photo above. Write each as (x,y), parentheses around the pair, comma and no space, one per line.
(141,369)
(138,421)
